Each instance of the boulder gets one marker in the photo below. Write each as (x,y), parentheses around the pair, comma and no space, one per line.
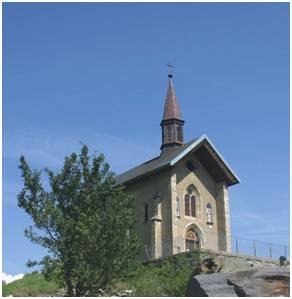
(210,285)
(260,282)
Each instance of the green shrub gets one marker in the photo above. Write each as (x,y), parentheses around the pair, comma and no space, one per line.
(165,277)
(161,281)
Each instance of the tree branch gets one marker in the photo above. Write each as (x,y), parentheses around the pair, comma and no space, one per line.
(49,232)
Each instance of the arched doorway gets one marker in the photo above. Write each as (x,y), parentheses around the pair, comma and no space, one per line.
(192,239)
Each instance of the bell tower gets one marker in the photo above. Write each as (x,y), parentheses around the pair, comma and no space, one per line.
(172,123)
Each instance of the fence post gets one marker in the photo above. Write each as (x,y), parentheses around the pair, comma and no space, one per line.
(236,245)
(270,250)
(254,248)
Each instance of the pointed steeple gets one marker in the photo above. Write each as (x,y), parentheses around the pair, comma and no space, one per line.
(172,123)
(171,108)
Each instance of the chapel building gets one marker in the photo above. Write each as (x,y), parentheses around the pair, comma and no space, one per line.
(181,196)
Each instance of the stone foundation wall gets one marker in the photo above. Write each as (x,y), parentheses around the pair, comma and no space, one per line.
(231,262)
(227,261)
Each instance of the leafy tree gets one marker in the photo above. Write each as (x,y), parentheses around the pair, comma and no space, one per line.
(85,221)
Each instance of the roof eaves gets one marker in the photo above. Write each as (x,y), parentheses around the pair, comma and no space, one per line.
(221,157)
(130,180)
(193,145)
(187,150)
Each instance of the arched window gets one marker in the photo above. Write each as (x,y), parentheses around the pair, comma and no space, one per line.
(179,133)
(187,205)
(169,133)
(193,206)
(209,213)
(145,212)
(192,202)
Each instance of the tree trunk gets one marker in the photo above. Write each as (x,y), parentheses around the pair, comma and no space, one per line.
(69,284)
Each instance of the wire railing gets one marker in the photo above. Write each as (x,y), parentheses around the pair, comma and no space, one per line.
(239,246)
(259,248)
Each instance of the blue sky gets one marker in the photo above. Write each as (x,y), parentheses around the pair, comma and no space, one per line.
(96,73)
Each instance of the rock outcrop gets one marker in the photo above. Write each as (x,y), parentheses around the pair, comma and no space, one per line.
(259,282)
(262,282)
(210,285)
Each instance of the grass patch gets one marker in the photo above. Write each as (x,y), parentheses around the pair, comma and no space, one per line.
(33,284)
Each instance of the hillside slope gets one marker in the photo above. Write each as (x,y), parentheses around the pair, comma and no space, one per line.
(33,284)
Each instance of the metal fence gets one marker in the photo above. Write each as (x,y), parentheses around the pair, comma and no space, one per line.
(259,248)
(240,246)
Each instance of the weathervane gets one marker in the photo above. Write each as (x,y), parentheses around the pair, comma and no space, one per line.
(170,66)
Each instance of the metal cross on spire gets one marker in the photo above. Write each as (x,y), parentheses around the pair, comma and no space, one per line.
(170,66)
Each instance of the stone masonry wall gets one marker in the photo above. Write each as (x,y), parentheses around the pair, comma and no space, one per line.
(206,188)
(154,190)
